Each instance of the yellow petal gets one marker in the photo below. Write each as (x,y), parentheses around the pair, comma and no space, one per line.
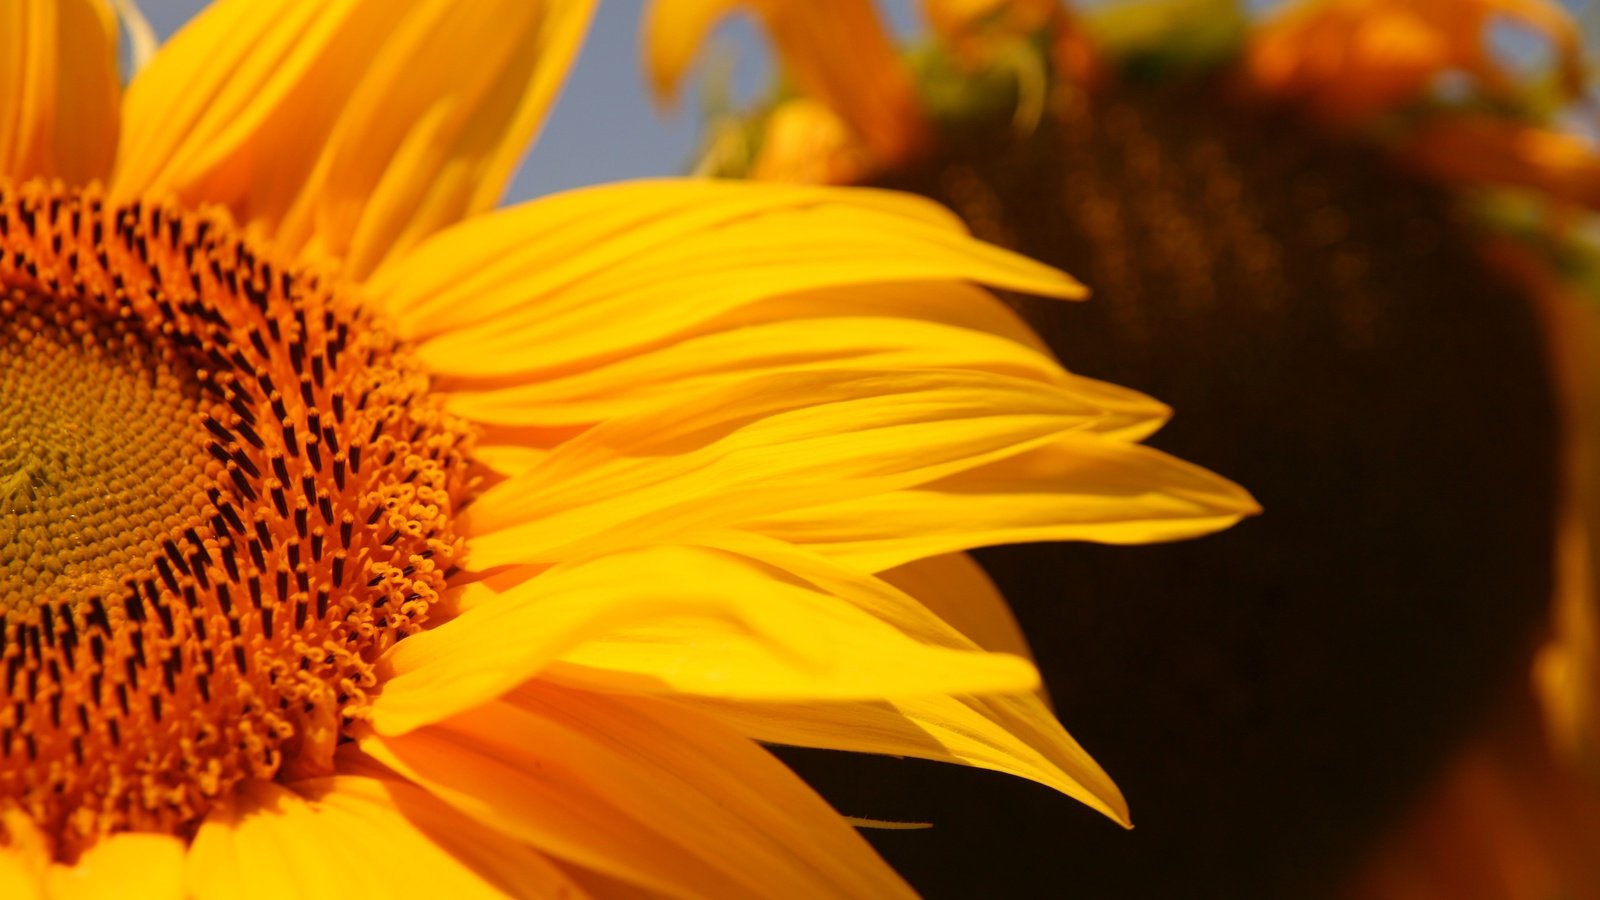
(128,866)
(17,878)
(837,51)
(59,89)
(956,589)
(674,620)
(350,128)
(659,797)
(24,854)
(740,347)
(1077,488)
(803,142)
(1011,733)
(602,271)
(341,837)
(780,443)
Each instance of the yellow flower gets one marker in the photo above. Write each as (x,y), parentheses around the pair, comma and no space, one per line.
(358,539)
(1364,235)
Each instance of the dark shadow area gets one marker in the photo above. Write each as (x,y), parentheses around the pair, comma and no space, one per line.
(1268,698)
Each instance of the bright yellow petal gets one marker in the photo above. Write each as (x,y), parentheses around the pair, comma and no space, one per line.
(352,128)
(341,837)
(802,337)
(1011,733)
(837,51)
(956,589)
(59,89)
(1077,488)
(778,444)
(128,866)
(602,271)
(17,878)
(639,791)
(24,855)
(675,620)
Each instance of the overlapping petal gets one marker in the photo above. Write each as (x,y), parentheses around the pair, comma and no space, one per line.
(642,792)
(1078,487)
(59,89)
(676,620)
(348,129)
(776,444)
(273,841)
(891,328)
(595,273)
(837,50)
(956,589)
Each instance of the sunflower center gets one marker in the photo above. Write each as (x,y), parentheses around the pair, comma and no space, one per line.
(224,492)
(95,435)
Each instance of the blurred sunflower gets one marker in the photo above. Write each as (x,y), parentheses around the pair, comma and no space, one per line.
(1353,241)
(357,539)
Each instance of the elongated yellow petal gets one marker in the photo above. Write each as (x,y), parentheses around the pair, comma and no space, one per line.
(59,89)
(643,382)
(780,443)
(642,792)
(837,50)
(602,271)
(1011,733)
(675,620)
(353,128)
(129,866)
(1079,487)
(270,842)
(956,589)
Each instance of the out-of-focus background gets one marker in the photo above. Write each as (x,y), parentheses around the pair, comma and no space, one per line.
(605,126)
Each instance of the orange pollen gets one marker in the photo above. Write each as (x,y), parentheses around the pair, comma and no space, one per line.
(224,492)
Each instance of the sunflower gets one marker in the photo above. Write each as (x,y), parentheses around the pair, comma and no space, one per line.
(1362,237)
(358,538)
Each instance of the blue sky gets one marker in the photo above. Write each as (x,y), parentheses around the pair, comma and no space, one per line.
(605,127)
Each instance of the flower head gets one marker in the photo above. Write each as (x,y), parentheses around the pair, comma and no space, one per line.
(361,539)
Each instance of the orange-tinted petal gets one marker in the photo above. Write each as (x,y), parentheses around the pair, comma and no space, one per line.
(59,89)
(640,791)
(1353,59)
(837,51)
(1494,152)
